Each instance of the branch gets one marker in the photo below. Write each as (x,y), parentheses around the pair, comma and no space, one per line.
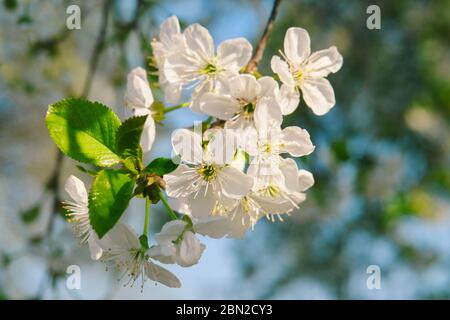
(254,61)
(98,48)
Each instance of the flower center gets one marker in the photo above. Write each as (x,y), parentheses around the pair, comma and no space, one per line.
(208,172)
(209,69)
(298,75)
(271,191)
(248,109)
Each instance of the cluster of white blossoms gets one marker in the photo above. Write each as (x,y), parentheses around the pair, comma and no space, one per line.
(241,168)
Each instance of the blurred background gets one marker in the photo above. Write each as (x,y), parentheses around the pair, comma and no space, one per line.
(381,165)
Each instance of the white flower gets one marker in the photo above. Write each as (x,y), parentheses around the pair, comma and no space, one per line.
(199,65)
(280,189)
(139,97)
(122,247)
(78,215)
(177,243)
(238,106)
(204,177)
(271,140)
(305,72)
(170,41)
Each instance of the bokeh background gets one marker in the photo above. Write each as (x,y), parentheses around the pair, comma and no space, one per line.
(382,162)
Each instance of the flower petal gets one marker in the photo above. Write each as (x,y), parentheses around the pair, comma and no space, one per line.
(297,141)
(267,116)
(169,28)
(170,231)
(95,249)
(199,41)
(234,183)
(281,68)
(76,189)
(181,182)
(289,170)
(288,98)
(244,86)
(148,134)
(164,253)
(138,94)
(219,106)
(188,145)
(161,275)
(318,95)
(214,227)
(269,87)
(233,54)
(321,63)
(203,203)
(305,180)
(120,236)
(190,250)
(297,45)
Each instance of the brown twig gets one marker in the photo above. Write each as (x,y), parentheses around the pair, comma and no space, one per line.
(257,56)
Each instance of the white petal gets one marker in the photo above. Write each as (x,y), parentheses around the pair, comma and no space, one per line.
(138,94)
(281,68)
(203,203)
(180,205)
(221,146)
(190,250)
(163,253)
(95,249)
(275,205)
(214,227)
(181,182)
(169,28)
(205,86)
(233,54)
(172,92)
(170,231)
(267,115)
(219,106)
(269,87)
(305,180)
(321,63)
(290,172)
(76,189)
(288,98)
(121,236)
(244,87)
(181,68)
(318,95)
(199,41)
(234,183)
(297,141)
(188,145)
(148,134)
(297,45)
(161,275)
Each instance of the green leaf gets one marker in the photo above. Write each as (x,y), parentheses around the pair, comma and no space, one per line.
(129,136)
(161,166)
(84,130)
(109,196)
(30,215)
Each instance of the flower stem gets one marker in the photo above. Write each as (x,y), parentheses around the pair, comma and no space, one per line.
(171,213)
(147,215)
(170,109)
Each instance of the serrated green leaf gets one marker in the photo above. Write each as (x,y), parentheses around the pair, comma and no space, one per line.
(161,166)
(84,130)
(129,136)
(109,196)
